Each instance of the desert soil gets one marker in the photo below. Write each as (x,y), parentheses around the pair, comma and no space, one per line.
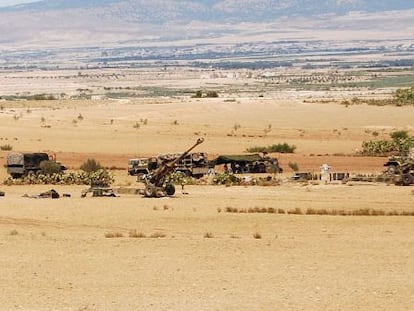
(193,255)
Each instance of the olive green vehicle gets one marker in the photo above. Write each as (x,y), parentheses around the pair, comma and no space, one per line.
(23,164)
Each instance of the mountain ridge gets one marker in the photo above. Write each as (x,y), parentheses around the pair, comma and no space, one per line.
(184,11)
(64,23)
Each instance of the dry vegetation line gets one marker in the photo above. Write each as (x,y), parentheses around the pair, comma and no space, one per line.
(257,235)
(321,212)
(141,235)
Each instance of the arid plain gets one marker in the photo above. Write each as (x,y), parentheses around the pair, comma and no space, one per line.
(187,252)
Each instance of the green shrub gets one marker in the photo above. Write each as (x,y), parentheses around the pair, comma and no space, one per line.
(90,165)
(280,148)
(225,178)
(405,96)
(50,167)
(399,135)
(101,177)
(400,143)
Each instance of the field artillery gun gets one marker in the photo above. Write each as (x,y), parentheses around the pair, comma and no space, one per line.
(402,168)
(156,183)
(406,174)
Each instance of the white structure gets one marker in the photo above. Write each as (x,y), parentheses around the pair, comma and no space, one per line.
(325,168)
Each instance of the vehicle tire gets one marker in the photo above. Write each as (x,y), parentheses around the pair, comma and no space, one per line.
(392,169)
(150,191)
(170,189)
(16,176)
(262,168)
(407,179)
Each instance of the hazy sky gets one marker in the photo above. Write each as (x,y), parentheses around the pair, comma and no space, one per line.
(13,2)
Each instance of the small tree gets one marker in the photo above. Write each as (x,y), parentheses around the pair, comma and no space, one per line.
(90,165)
(50,167)
(403,141)
(405,96)
(398,136)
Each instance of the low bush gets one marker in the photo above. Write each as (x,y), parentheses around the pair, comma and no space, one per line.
(101,177)
(6,147)
(111,235)
(225,179)
(90,165)
(280,148)
(50,167)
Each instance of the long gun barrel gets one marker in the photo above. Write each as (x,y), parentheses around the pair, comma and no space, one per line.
(185,153)
(157,179)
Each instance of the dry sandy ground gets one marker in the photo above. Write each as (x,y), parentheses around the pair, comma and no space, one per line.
(55,255)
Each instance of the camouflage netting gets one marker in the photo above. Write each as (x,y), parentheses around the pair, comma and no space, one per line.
(100,177)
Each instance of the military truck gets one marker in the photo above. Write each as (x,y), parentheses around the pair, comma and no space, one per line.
(22,164)
(138,166)
(193,164)
(249,163)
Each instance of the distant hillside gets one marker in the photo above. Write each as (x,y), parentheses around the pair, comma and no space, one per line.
(73,23)
(183,11)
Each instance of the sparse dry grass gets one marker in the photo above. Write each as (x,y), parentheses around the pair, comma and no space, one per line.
(111,235)
(321,212)
(135,234)
(234,236)
(157,235)
(296,211)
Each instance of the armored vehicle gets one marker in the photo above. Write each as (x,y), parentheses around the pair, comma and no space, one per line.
(22,164)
